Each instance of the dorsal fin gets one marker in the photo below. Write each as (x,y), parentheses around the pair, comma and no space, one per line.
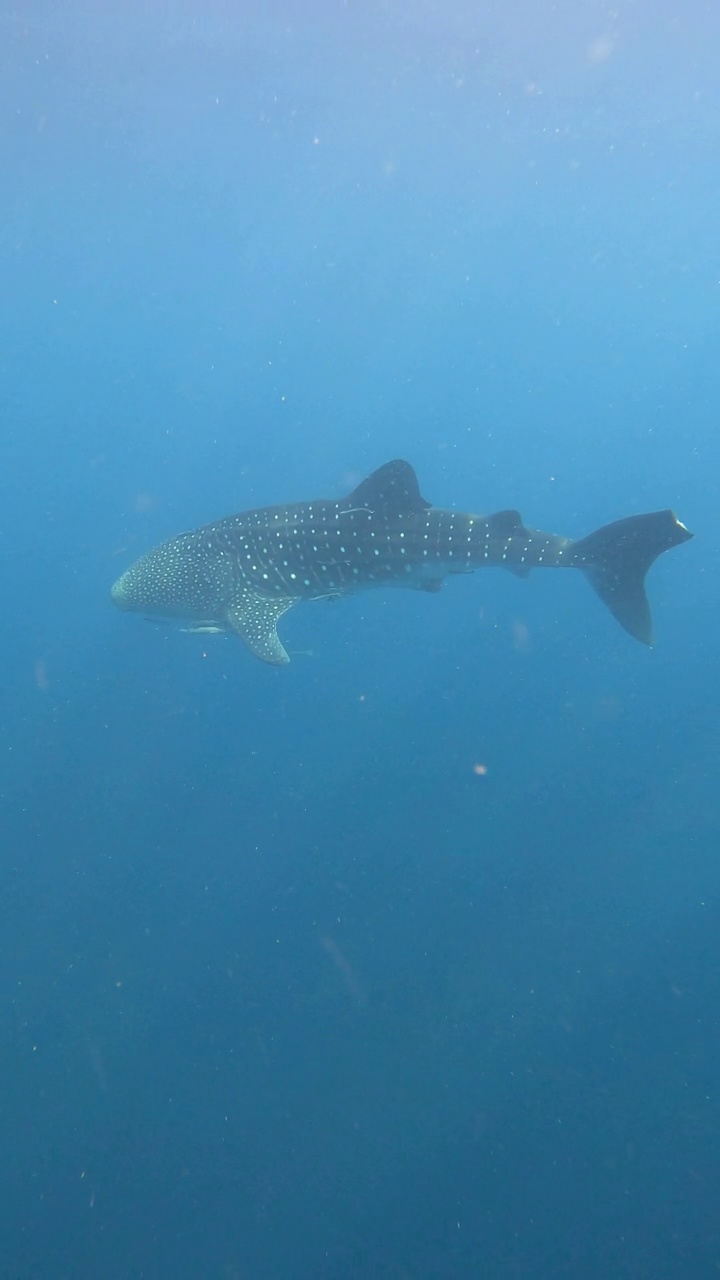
(506,523)
(393,490)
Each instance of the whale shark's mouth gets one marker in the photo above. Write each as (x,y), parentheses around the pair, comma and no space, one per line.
(118,592)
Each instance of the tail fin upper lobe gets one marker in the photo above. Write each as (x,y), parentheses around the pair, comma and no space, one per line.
(616,558)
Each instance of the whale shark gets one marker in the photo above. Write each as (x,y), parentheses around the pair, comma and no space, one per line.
(242,573)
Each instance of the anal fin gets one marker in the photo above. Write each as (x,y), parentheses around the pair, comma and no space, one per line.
(254,619)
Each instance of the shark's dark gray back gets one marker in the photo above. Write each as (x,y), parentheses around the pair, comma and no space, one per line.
(313,549)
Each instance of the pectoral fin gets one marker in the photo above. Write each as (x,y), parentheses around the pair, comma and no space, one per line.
(254,619)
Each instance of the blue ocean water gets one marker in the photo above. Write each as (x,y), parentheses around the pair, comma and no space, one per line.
(401,961)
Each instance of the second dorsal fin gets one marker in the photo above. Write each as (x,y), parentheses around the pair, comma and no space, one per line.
(506,523)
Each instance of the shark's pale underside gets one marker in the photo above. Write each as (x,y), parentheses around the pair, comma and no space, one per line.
(243,573)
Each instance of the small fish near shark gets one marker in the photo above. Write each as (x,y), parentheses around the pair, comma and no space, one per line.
(243,573)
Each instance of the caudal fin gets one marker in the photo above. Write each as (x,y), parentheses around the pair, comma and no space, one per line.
(616,558)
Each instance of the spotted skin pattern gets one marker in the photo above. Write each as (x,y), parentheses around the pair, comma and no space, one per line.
(244,572)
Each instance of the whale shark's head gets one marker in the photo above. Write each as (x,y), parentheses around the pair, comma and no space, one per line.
(181,578)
